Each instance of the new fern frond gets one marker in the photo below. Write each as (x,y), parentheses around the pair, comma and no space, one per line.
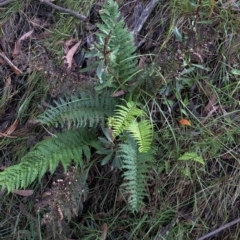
(142,132)
(124,116)
(137,166)
(130,118)
(46,155)
(116,45)
(79,111)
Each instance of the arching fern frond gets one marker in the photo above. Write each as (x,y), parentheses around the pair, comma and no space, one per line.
(87,109)
(46,155)
(142,132)
(136,167)
(124,116)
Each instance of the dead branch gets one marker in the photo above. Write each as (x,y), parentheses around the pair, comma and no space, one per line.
(65,10)
(61,9)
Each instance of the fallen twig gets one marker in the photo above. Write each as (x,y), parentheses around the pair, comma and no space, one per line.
(220,229)
(61,9)
(142,19)
(5,2)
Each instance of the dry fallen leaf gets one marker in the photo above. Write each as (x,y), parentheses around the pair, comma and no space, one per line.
(17,46)
(69,56)
(9,62)
(210,106)
(10,130)
(184,122)
(104,228)
(70,42)
(24,193)
(118,93)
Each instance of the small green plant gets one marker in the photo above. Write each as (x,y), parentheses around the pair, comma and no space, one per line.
(134,148)
(115,50)
(80,117)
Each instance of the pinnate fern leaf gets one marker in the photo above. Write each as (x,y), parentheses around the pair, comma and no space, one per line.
(46,155)
(142,132)
(74,111)
(136,167)
(124,116)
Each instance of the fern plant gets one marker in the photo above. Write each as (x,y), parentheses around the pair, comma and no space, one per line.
(135,150)
(132,132)
(115,49)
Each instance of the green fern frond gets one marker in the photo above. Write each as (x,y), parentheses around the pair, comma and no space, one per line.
(46,155)
(119,43)
(136,167)
(142,132)
(79,111)
(124,116)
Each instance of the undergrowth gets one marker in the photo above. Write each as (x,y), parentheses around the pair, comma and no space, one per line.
(167,149)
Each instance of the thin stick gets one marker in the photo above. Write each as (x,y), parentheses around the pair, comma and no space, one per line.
(5,3)
(220,229)
(61,9)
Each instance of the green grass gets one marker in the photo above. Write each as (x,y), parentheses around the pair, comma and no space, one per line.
(67,27)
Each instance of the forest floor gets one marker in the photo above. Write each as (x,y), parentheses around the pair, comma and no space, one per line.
(191,50)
